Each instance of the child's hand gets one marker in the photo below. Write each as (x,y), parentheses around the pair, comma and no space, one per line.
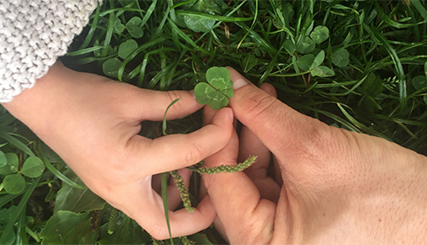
(339,187)
(93,124)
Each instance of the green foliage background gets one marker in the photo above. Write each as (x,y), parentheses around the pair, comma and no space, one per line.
(359,65)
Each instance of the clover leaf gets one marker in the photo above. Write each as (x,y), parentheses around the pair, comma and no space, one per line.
(200,23)
(320,34)
(12,165)
(118,26)
(14,183)
(133,27)
(341,57)
(111,66)
(33,167)
(419,82)
(306,45)
(217,90)
(321,71)
(126,48)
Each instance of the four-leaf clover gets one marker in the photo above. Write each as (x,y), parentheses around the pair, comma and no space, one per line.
(217,90)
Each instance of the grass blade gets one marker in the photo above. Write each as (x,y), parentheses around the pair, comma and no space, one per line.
(57,173)
(5,199)
(420,8)
(149,12)
(164,181)
(360,125)
(213,17)
(92,29)
(399,68)
(14,141)
(164,117)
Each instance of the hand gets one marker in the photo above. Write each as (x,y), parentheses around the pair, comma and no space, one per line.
(338,186)
(93,124)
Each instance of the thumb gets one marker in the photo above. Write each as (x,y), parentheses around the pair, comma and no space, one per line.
(281,129)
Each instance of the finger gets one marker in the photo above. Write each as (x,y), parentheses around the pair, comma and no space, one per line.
(235,191)
(281,129)
(251,145)
(208,114)
(269,89)
(258,172)
(245,217)
(158,101)
(227,155)
(147,209)
(179,151)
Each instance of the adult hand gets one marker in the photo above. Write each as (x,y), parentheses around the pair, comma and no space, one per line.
(338,186)
(93,124)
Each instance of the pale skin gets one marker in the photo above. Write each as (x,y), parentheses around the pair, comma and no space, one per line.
(93,123)
(331,186)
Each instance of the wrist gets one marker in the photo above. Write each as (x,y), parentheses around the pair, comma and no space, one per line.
(32,106)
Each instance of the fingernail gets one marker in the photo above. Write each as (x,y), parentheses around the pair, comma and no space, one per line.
(192,93)
(238,83)
(231,115)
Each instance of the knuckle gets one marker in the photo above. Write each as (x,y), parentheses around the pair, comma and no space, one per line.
(179,106)
(324,141)
(258,104)
(173,95)
(153,225)
(193,154)
(158,233)
(317,141)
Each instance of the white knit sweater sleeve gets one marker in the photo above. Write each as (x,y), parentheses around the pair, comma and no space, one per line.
(33,34)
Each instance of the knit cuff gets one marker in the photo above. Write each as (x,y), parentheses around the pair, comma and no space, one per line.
(33,34)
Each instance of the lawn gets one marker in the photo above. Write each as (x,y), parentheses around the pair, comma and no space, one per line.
(357,65)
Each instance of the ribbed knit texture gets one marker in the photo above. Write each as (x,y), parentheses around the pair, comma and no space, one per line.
(33,34)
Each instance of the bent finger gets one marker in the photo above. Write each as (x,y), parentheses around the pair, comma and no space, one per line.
(235,191)
(147,210)
(258,172)
(179,151)
(251,145)
(244,215)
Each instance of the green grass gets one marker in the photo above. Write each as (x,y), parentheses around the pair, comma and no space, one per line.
(386,42)
(377,51)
